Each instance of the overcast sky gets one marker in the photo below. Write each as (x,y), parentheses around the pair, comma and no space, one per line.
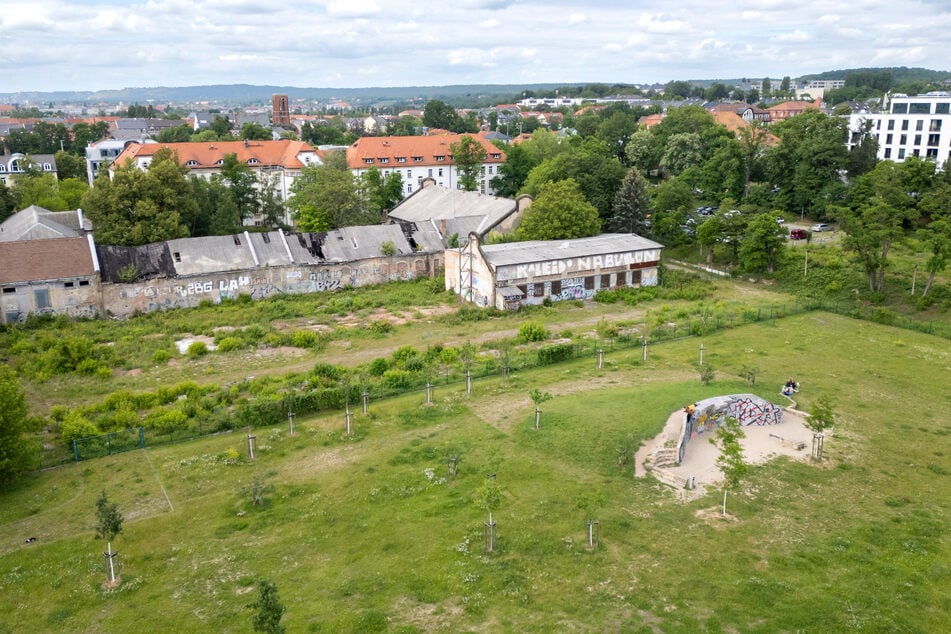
(103,44)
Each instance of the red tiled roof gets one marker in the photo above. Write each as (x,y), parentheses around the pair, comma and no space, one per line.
(50,259)
(409,147)
(207,155)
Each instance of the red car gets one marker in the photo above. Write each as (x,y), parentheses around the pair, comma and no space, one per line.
(798,234)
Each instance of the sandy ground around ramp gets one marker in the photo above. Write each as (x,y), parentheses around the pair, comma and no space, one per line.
(790,438)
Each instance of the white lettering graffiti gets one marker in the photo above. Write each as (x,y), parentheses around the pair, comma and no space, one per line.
(223,286)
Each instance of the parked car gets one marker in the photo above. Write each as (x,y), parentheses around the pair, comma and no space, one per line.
(821,227)
(798,234)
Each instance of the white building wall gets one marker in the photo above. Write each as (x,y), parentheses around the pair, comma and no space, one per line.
(445,175)
(911,126)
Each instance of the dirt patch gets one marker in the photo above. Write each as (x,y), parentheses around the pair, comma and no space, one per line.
(790,438)
(714,517)
(288,351)
(183,343)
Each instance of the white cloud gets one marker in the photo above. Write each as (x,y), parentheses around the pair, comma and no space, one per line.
(795,36)
(353,8)
(53,44)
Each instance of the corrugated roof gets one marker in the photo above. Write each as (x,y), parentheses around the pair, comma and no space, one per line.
(356,243)
(542,250)
(37,223)
(37,260)
(442,203)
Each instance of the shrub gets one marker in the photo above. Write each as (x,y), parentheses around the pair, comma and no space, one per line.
(532,331)
(381,327)
(395,379)
(230,344)
(75,425)
(305,339)
(197,349)
(378,366)
(327,371)
(555,354)
(161,357)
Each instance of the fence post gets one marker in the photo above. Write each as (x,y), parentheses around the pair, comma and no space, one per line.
(109,444)
(76,449)
(141,438)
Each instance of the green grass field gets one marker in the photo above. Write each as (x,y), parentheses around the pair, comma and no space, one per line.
(369,533)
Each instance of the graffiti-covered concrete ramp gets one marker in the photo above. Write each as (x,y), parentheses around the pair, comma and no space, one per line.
(710,413)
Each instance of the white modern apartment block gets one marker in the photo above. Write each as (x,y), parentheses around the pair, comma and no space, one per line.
(919,125)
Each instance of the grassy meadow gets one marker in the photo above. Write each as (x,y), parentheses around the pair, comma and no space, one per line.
(369,533)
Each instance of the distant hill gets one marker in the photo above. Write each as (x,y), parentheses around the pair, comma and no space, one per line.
(247,93)
(900,74)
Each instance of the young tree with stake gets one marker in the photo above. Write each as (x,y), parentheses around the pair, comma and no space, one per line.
(730,461)
(108,525)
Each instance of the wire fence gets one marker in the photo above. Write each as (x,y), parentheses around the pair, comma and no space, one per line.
(267,412)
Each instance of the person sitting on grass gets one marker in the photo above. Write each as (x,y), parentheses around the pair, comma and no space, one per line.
(790,388)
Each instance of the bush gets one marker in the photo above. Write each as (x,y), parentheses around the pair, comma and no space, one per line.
(161,357)
(197,349)
(305,339)
(396,379)
(555,354)
(230,344)
(378,366)
(532,331)
(77,426)
(381,327)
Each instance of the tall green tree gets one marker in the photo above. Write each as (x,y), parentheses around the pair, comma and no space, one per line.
(936,235)
(69,165)
(762,244)
(241,181)
(268,609)
(382,192)
(808,161)
(439,114)
(632,205)
(328,196)
(254,131)
(591,165)
(708,234)
(560,211)
(140,207)
(876,220)
(176,134)
(513,172)
(17,454)
(468,154)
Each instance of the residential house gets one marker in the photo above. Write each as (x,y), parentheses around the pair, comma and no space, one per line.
(787,109)
(280,161)
(15,165)
(105,152)
(417,157)
(746,111)
(508,276)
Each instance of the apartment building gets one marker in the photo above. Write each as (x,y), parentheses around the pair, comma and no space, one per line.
(918,125)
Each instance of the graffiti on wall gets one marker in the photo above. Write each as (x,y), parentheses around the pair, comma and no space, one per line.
(578,265)
(205,287)
(573,288)
(710,413)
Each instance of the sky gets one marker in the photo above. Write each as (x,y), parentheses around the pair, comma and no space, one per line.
(93,45)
